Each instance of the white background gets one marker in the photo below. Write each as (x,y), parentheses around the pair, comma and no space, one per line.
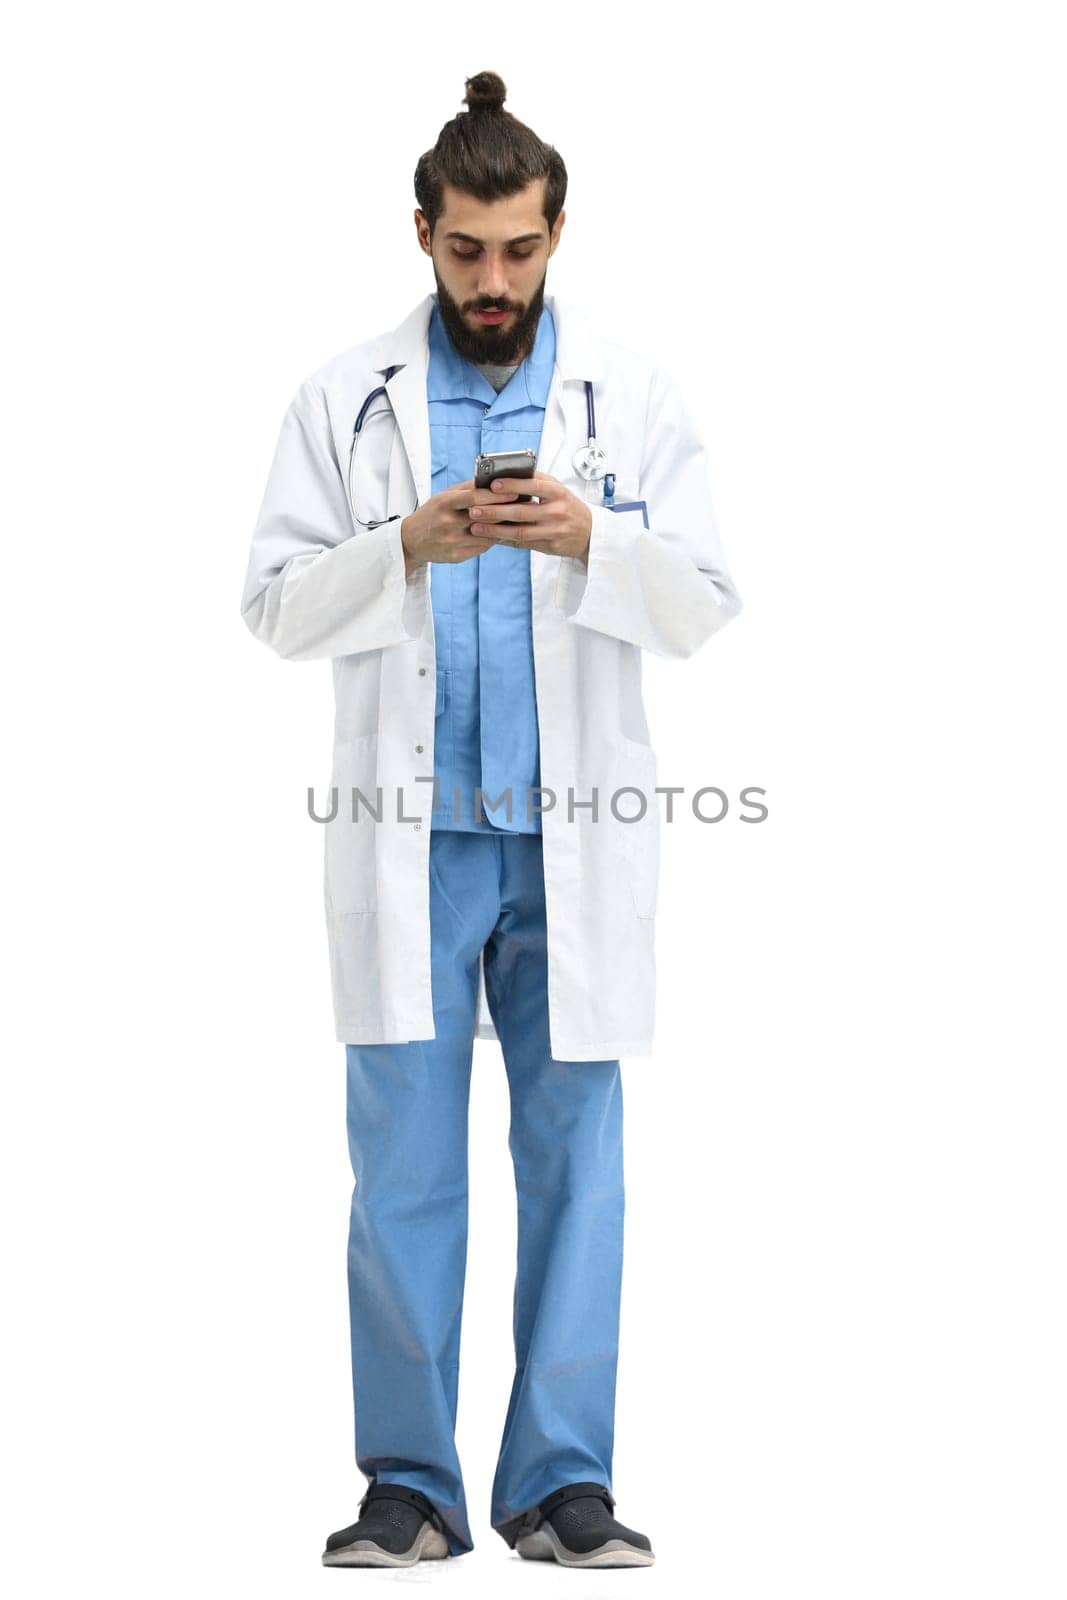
(840,227)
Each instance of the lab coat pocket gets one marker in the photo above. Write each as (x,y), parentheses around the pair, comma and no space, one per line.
(351,835)
(636,771)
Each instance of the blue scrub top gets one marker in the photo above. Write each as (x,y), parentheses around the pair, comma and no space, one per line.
(486,727)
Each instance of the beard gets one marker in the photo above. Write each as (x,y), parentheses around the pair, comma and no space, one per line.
(503,345)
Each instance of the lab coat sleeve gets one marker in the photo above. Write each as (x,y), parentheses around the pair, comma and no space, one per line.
(317,585)
(665,587)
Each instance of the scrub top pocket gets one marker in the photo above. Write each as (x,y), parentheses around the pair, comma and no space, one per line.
(438,464)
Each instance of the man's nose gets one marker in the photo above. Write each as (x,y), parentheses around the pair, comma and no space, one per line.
(493,283)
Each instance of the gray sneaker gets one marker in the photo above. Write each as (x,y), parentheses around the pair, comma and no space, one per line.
(397,1527)
(575,1526)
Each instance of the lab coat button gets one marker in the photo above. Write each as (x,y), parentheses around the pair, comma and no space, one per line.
(422,672)
(416,825)
(418,747)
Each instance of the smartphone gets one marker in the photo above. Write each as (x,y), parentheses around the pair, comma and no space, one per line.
(505,464)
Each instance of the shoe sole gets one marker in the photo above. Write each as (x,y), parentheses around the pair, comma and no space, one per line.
(545,1545)
(430,1545)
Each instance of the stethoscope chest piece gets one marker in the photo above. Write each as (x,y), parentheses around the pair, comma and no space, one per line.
(590,462)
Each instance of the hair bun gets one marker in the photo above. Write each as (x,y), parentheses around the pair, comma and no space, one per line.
(485,92)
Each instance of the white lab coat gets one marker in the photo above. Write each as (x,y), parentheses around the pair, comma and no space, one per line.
(320,585)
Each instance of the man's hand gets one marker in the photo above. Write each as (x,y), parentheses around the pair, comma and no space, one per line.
(440,530)
(558,523)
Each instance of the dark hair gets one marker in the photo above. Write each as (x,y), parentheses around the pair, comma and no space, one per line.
(488,153)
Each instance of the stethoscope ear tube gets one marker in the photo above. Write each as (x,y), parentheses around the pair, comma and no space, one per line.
(381,389)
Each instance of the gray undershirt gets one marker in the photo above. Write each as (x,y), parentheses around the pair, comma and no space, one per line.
(497,375)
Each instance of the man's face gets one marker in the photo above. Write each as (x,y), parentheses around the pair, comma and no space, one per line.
(491,256)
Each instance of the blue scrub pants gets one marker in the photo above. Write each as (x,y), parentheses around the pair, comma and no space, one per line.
(407,1133)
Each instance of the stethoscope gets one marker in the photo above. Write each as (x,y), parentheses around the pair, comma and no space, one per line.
(590,462)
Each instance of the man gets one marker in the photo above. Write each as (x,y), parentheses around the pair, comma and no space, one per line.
(482,878)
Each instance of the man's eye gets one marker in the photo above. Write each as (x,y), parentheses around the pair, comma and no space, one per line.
(469,255)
